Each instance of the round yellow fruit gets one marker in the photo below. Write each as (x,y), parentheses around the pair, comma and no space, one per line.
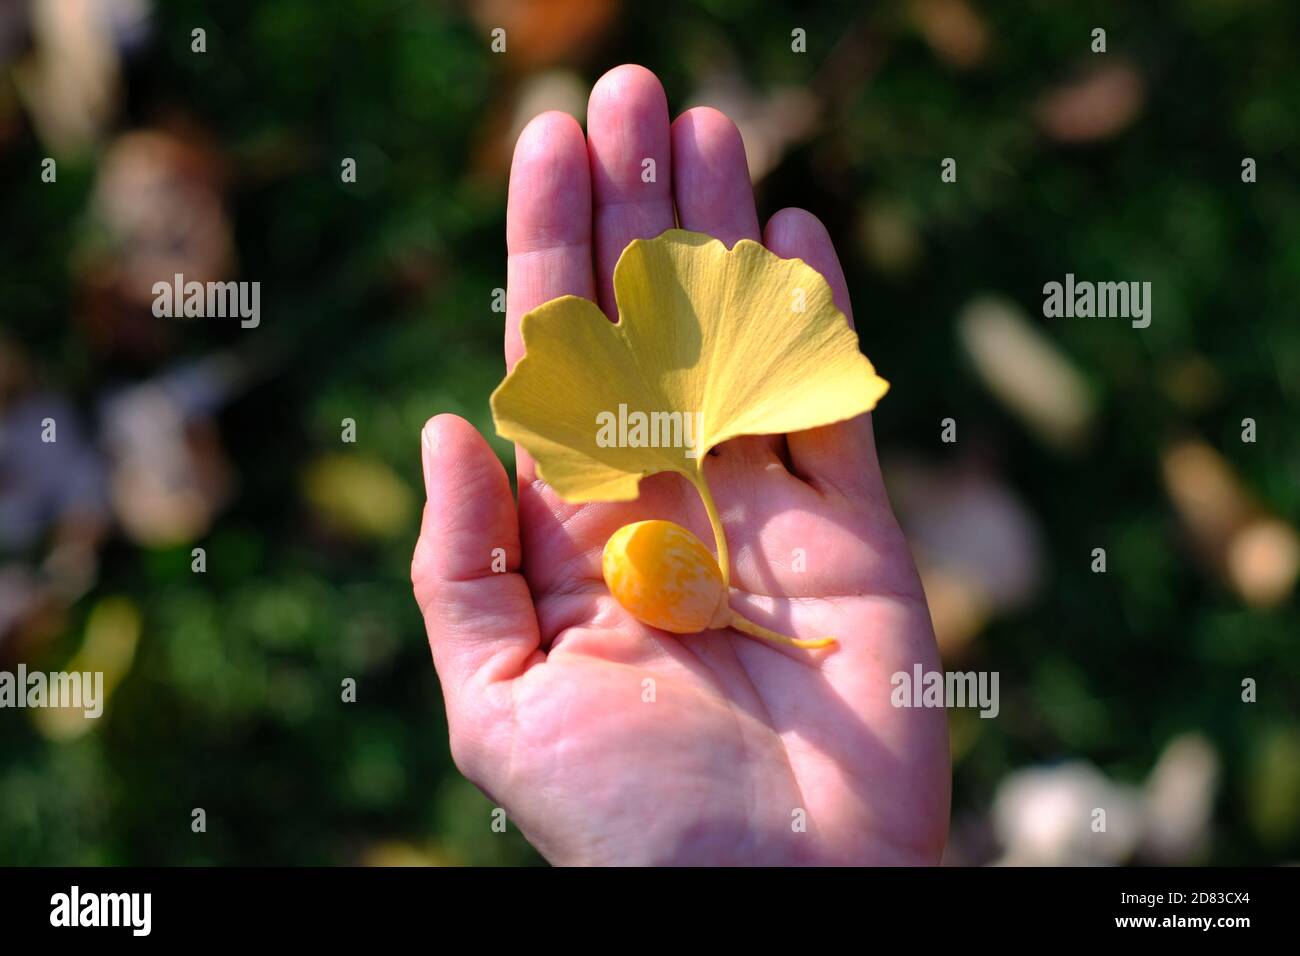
(664,576)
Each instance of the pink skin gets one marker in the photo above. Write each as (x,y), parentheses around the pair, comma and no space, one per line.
(546,676)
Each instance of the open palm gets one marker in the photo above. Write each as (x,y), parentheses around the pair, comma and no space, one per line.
(608,741)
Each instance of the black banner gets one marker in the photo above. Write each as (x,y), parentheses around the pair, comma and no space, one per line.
(336,905)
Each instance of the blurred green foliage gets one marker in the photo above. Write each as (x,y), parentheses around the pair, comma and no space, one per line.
(377,297)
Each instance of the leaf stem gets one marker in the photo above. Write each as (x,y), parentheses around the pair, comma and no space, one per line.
(715,522)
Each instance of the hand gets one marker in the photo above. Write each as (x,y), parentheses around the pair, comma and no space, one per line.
(607,741)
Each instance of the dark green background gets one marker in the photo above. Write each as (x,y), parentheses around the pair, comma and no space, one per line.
(376,300)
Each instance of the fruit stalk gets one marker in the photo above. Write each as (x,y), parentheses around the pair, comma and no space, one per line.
(758,630)
(724,565)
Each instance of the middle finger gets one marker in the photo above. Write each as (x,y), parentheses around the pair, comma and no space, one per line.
(630,154)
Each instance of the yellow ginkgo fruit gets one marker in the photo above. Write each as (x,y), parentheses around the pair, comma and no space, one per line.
(664,576)
(711,344)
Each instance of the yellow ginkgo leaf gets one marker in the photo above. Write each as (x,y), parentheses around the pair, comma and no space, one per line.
(711,344)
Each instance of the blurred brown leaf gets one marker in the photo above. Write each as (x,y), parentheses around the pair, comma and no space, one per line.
(541,33)
(954,30)
(159,196)
(1254,553)
(977,547)
(1027,371)
(70,79)
(1097,105)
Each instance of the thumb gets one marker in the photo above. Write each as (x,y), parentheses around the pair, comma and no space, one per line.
(477,607)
